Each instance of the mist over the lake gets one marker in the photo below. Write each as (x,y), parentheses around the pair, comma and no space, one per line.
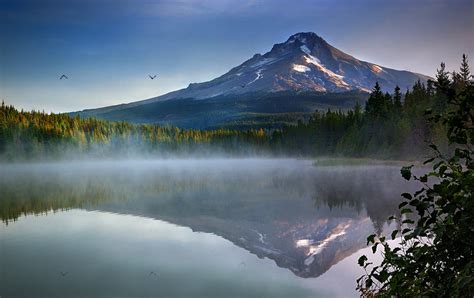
(303,218)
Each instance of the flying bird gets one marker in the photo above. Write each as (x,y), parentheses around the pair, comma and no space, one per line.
(243,85)
(152,273)
(152,77)
(63,273)
(63,77)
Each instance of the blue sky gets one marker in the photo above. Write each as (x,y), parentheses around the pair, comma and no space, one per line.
(108,48)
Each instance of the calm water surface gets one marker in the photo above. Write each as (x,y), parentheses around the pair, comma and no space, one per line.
(189,228)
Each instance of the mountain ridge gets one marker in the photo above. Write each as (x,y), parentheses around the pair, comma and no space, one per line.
(305,62)
(305,49)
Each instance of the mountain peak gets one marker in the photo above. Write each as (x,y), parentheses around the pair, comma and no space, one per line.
(305,37)
(304,62)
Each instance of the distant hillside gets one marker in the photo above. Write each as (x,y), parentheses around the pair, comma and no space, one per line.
(267,110)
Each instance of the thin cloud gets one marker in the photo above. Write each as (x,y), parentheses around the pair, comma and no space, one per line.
(202,7)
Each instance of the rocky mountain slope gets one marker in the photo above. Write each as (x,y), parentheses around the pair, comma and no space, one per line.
(304,64)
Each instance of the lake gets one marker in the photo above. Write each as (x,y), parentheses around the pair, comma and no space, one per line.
(190,228)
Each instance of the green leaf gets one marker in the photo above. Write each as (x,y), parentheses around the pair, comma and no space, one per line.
(362,260)
(374,247)
(368,282)
(371,239)
(406,210)
(428,160)
(394,234)
(406,172)
(442,169)
(402,204)
(383,276)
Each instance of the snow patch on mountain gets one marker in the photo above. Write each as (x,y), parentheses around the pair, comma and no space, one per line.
(305,49)
(312,60)
(376,68)
(315,61)
(301,68)
(259,76)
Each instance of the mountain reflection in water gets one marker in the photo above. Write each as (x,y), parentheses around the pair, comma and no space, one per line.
(305,218)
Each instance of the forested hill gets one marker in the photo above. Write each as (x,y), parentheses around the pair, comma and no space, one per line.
(388,126)
(243,111)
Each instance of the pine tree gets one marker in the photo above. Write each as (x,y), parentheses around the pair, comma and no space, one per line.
(397,101)
(375,103)
(443,88)
(377,90)
(442,79)
(464,73)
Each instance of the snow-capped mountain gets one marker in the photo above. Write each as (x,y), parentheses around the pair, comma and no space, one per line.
(305,62)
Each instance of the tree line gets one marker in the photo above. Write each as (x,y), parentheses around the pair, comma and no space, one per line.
(389,126)
(38,134)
